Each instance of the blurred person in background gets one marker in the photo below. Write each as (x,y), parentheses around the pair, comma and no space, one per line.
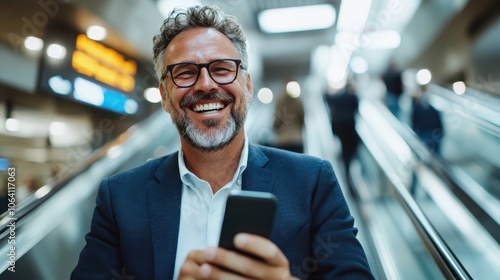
(427,124)
(343,107)
(426,121)
(162,220)
(393,81)
(289,120)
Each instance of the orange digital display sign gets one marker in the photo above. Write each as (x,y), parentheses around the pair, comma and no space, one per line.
(104,64)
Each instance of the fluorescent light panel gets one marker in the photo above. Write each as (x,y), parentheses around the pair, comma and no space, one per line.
(292,19)
(386,39)
(353,15)
(166,6)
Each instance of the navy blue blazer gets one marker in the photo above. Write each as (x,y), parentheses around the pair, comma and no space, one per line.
(135,225)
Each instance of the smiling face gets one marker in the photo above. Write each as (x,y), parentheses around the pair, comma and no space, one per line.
(207,115)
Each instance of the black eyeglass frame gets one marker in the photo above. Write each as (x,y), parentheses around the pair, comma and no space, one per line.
(199,66)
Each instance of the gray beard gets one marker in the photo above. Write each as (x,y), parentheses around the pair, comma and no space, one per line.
(210,141)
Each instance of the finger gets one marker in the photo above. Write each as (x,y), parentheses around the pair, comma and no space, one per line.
(197,256)
(208,271)
(260,247)
(245,265)
(190,269)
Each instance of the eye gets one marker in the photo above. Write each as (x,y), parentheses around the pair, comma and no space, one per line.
(184,71)
(222,67)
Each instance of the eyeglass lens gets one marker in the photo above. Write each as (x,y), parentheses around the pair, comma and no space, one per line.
(221,71)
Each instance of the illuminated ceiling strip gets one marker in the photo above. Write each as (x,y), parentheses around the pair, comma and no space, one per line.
(353,15)
(292,19)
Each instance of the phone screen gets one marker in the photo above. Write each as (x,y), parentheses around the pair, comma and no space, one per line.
(247,211)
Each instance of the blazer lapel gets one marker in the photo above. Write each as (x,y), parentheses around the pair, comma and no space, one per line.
(164,198)
(256,177)
(164,204)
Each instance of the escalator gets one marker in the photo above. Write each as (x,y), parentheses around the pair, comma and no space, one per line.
(51,224)
(449,227)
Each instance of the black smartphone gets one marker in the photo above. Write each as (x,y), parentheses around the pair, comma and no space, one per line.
(247,211)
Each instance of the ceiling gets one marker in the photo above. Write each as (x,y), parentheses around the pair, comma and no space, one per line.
(131,24)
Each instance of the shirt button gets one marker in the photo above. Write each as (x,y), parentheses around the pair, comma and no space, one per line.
(238,182)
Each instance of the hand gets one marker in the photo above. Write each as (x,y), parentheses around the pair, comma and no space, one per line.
(219,263)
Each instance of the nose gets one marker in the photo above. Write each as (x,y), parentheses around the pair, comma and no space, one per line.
(205,83)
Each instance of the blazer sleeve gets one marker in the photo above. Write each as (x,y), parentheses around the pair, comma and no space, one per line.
(100,258)
(335,248)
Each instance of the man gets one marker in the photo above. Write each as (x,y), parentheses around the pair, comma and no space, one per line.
(162,220)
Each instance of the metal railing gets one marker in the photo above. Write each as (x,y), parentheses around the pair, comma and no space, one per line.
(449,264)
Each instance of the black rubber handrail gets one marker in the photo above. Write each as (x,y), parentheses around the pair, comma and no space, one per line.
(448,263)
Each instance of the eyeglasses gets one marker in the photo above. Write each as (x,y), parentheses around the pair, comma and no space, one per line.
(185,74)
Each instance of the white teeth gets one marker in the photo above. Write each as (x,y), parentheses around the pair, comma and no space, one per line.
(208,107)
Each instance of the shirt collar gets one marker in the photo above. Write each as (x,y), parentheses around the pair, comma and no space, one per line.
(185,174)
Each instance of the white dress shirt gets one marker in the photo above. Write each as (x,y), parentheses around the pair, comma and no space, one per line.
(201,210)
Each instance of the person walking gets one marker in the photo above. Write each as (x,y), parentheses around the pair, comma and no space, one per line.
(289,121)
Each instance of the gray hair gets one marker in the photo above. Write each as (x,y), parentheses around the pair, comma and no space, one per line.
(180,20)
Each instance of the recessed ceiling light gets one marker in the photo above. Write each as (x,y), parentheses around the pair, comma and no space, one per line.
(423,76)
(292,19)
(12,124)
(56,51)
(265,95)
(96,32)
(459,87)
(293,89)
(152,95)
(33,43)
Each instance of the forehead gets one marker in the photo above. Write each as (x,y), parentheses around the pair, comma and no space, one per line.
(199,45)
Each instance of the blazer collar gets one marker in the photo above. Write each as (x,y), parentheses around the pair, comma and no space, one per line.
(256,176)
(164,197)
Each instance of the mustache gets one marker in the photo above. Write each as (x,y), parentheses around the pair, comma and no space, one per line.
(186,101)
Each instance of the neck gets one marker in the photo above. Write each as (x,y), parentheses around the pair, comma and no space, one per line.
(215,167)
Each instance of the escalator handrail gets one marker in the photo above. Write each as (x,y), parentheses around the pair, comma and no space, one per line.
(484,108)
(483,202)
(450,266)
(57,183)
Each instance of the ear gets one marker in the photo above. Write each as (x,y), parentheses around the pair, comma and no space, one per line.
(249,87)
(164,97)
